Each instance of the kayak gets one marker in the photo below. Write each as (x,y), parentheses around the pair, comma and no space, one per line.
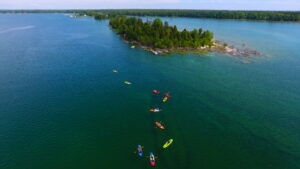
(159,125)
(167,95)
(155,110)
(155,91)
(152,159)
(168,143)
(115,71)
(165,99)
(140,150)
(128,83)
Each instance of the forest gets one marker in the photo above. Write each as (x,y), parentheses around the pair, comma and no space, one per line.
(216,14)
(293,16)
(160,35)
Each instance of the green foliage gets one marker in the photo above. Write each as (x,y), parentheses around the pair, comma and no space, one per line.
(96,15)
(218,14)
(159,35)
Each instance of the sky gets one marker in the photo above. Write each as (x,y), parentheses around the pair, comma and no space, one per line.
(153,4)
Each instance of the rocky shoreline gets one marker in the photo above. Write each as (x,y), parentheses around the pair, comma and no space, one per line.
(218,46)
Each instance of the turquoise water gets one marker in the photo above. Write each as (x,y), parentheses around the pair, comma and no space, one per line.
(62,107)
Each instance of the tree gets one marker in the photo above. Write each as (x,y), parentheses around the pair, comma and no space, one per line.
(157,23)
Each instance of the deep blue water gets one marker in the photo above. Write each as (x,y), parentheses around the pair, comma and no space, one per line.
(62,107)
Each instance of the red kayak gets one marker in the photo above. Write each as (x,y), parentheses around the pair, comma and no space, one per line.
(152,159)
(159,125)
(168,95)
(155,91)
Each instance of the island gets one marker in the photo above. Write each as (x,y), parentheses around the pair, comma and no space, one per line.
(161,38)
(96,15)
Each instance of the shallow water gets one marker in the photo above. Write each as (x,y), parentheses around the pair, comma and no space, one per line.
(62,107)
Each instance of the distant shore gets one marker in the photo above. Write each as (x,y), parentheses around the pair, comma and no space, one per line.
(281,16)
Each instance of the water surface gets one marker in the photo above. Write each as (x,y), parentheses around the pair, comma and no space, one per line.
(62,107)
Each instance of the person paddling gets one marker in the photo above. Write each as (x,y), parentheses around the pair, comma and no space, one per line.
(155,110)
(152,159)
(139,150)
(168,95)
(155,92)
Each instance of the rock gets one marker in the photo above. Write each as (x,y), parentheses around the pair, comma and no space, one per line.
(154,52)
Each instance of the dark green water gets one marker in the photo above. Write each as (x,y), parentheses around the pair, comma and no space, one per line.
(61,107)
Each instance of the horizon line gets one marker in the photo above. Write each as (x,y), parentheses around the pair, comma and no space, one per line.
(249,10)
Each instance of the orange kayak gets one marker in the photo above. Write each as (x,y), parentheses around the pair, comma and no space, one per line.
(159,125)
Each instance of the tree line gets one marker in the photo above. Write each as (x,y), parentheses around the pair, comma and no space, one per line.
(158,34)
(217,14)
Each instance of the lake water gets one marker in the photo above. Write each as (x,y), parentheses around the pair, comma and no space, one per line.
(61,107)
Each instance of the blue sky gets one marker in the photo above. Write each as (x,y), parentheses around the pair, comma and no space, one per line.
(153,4)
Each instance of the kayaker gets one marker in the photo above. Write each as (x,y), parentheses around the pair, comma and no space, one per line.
(159,125)
(155,91)
(152,159)
(155,110)
(139,150)
(168,143)
(165,99)
(168,95)
(127,82)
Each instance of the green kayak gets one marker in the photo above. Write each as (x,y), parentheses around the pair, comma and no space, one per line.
(168,143)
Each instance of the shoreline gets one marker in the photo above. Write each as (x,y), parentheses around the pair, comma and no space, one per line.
(218,47)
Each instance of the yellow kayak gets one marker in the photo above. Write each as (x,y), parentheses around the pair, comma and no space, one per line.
(128,83)
(168,143)
(165,99)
